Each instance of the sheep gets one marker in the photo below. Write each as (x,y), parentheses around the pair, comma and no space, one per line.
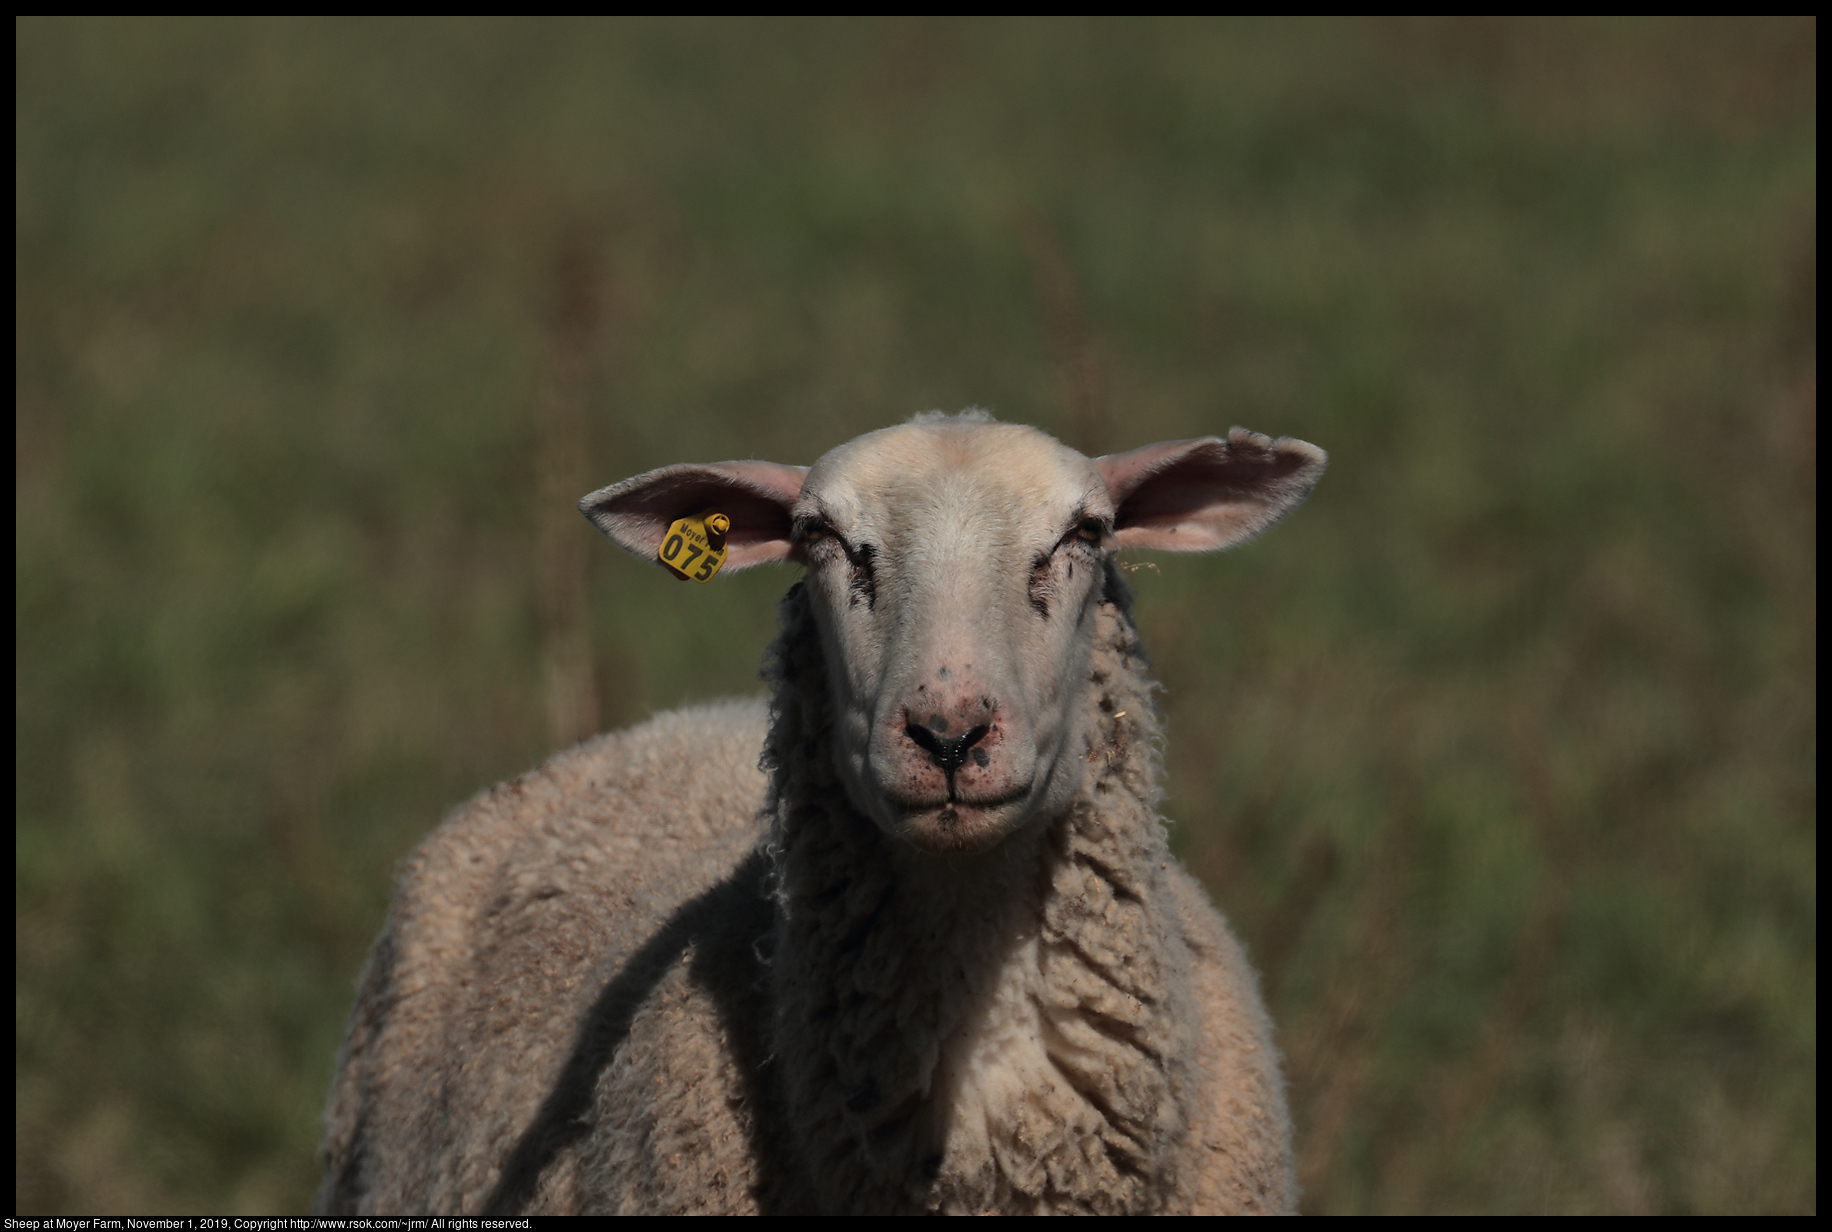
(907,937)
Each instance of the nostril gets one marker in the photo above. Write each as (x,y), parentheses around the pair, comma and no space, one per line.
(950,755)
(926,739)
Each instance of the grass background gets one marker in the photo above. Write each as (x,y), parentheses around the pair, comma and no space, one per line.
(1500,753)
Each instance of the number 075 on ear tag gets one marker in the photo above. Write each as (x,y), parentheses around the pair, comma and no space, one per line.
(694,547)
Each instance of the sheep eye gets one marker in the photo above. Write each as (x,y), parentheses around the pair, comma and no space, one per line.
(816,541)
(1091,531)
(821,544)
(807,529)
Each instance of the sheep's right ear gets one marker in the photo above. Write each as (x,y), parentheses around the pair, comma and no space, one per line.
(756,497)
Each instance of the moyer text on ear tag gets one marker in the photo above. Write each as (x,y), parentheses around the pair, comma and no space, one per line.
(694,547)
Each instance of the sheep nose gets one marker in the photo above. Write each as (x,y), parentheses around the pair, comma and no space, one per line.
(950,755)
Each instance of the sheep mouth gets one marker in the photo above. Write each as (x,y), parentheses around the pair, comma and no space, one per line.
(960,827)
(964,803)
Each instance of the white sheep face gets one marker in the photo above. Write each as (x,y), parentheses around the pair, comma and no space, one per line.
(955,566)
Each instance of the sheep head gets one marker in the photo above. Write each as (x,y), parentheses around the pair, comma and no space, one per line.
(955,565)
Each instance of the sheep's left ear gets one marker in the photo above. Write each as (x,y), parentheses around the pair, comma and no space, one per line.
(1200,495)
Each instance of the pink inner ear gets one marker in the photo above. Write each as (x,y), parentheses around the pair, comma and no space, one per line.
(1201,495)
(756,496)
(782,482)
(1124,472)
(760,531)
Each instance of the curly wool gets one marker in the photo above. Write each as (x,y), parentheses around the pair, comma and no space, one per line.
(1018,1033)
(604,986)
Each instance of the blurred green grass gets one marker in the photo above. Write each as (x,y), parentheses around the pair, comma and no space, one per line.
(1500,753)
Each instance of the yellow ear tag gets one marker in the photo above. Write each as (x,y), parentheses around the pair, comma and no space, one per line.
(694,547)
